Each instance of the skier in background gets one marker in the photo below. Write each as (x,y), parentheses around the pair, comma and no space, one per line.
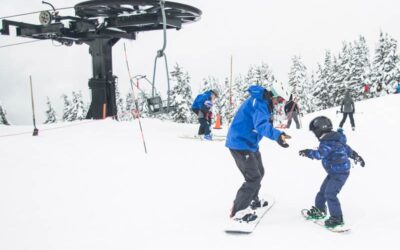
(398,88)
(250,124)
(366,90)
(202,108)
(348,109)
(335,154)
(279,113)
(292,112)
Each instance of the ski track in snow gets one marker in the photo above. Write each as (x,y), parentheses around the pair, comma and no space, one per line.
(92,187)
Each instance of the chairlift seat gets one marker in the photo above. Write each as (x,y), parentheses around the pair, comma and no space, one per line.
(155,104)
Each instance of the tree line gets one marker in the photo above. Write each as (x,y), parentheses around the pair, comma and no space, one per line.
(352,68)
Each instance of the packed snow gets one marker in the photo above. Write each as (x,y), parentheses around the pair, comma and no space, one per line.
(91,186)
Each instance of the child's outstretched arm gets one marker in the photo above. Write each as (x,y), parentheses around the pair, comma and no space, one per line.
(357,158)
(318,154)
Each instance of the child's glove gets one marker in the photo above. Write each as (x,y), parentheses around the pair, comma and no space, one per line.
(304,152)
(358,159)
(282,140)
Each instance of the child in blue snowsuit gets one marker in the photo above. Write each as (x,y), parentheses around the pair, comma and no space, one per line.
(202,108)
(250,124)
(335,154)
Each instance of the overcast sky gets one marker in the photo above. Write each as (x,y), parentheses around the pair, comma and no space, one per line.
(252,31)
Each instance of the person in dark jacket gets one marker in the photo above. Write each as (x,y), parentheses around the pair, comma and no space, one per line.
(202,108)
(250,124)
(348,109)
(292,112)
(334,153)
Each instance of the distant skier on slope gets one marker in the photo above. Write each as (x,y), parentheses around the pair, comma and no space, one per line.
(292,112)
(348,108)
(335,154)
(249,126)
(398,88)
(202,108)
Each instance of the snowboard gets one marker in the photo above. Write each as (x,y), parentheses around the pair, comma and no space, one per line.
(321,223)
(243,227)
(196,137)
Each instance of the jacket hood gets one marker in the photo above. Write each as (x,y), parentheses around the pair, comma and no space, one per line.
(256,91)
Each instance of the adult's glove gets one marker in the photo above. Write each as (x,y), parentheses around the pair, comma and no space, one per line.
(208,104)
(304,152)
(358,159)
(282,140)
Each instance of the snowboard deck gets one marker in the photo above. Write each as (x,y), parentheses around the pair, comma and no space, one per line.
(196,137)
(321,223)
(242,227)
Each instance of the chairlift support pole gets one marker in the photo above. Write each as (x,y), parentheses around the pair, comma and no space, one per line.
(101,24)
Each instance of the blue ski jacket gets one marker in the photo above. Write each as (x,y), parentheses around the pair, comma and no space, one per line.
(251,123)
(198,103)
(334,153)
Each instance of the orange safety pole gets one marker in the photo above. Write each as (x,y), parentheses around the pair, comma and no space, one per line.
(104,110)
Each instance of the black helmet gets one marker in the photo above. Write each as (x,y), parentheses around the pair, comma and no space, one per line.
(320,125)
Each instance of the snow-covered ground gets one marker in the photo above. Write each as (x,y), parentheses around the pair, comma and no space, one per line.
(92,186)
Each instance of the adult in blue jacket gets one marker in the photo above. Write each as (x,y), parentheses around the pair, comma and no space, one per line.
(251,123)
(398,88)
(334,153)
(202,108)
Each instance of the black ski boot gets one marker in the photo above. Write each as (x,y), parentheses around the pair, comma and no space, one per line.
(316,214)
(333,222)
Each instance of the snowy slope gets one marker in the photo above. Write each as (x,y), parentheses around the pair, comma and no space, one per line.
(92,187)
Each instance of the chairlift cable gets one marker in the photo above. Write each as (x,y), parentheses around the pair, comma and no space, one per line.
(16,44)
(34,12)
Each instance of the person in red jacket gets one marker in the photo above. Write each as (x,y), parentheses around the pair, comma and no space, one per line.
(366,90)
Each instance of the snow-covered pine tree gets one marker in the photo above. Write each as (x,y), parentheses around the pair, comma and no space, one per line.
(51,116)
(67,108)
(299,83)
(208,84)
(256,75)
(79,108)
(3,116)
(310,105)
(120,103)
(360,69)
(75,109)
(130,106)
(142,103)
(259,75)
(385,68)
(322,90)
(181,96)
(341,75)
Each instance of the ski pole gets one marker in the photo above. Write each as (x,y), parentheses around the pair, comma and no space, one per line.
(35,130)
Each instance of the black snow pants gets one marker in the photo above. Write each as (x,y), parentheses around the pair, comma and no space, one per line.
(205,125)
(252,169)
(344,119)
